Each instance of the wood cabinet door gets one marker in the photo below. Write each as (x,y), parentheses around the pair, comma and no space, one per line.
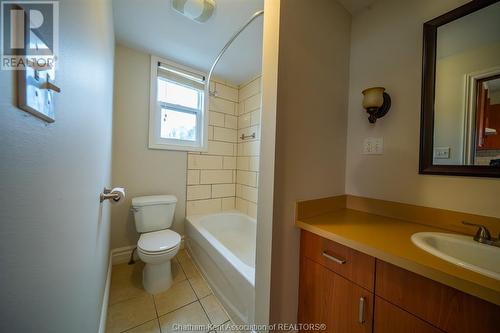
(352,309)
(391,319)
(444,307)
(327,298)
(315,294)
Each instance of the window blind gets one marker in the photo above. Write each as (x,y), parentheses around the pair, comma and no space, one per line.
(181,76)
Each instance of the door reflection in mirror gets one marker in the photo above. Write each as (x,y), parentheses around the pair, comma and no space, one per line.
(467,89)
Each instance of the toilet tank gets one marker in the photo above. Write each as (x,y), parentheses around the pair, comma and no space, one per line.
(152,213)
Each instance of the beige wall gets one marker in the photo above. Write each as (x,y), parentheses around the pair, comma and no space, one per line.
(311,129)
(54,233)
(386,49)
(140,170)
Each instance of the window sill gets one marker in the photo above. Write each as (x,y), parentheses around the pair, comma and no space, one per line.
(155,146)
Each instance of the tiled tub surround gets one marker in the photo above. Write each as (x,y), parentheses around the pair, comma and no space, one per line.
(188,301)
(211,176)
(225,177)
(247,160)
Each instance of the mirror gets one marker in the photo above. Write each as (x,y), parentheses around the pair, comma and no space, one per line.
(460,132)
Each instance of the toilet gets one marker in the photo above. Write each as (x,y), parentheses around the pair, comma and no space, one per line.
(157,244)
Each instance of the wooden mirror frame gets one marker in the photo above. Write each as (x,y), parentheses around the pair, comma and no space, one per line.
(428,97)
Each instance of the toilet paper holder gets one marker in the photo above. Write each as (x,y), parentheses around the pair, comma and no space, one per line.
(109,194)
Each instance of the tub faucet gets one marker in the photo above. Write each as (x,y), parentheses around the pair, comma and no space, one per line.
(483,235)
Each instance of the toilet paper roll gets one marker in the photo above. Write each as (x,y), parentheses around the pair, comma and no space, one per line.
(119,193)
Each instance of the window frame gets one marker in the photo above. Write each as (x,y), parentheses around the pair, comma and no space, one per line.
(155,109)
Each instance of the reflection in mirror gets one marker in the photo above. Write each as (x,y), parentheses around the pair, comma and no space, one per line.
(487,150)
(467,90)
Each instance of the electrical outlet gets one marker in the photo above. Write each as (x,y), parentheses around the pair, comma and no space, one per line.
(373,146)
(442,152)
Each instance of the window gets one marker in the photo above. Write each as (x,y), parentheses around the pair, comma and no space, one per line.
(177,116)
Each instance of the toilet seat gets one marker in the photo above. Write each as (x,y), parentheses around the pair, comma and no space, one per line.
(158,242)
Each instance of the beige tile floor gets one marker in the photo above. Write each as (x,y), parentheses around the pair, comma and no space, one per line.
(189,301)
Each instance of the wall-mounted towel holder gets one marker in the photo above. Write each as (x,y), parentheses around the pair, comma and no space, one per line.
(246,137)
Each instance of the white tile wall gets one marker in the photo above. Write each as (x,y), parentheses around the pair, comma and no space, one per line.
(216,118)
(225,177)
(204,162)
(246,192)
(254,163)
(204,206)
(225,91)
(245,120)
(225,134)
(229,163)
(250,89)
(249,148)
(223,190)
(252,103)
(196,192)
(216,176)
(220,148)
(228,203)
(210,132)
(222,105)
(246,177)
(248,151)
(231,121)
(255,117)
(193,177)
(211,175)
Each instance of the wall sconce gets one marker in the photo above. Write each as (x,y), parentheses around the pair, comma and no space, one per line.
(376,102)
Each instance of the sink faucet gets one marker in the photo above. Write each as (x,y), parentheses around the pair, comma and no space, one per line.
(483,235)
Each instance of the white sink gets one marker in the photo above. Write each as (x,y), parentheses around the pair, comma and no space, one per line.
(462,251)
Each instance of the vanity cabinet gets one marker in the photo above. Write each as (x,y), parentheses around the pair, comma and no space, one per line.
(392,319)
(444,307)
(330,290)
(350,291)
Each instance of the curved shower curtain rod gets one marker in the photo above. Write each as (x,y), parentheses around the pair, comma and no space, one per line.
(231,40)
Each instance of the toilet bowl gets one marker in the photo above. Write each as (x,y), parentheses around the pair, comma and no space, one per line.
(156,249)
(157,244)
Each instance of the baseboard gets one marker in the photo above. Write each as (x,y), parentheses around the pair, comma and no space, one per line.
(121,255)
(105,298)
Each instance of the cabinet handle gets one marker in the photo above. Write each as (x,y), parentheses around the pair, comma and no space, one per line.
(334,259)
(361,313)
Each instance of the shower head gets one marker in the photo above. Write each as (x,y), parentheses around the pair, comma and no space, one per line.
(197,10)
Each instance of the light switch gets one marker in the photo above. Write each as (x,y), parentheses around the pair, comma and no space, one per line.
(442,152)
(36,85)
(373,146)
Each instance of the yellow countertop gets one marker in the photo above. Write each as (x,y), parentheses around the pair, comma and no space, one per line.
(389,239)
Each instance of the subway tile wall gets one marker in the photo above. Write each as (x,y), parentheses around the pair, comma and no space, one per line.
(226,176)
(248,150)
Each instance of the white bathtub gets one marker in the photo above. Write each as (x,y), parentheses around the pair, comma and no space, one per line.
(223,246)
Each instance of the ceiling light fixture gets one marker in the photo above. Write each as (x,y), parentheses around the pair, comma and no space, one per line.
(197,10)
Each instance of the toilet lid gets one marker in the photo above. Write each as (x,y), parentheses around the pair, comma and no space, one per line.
(159,241)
